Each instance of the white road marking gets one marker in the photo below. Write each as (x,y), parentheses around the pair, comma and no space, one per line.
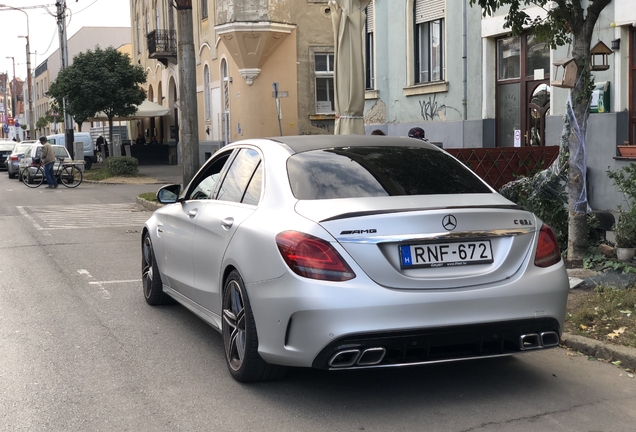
(61,217)
(116,282)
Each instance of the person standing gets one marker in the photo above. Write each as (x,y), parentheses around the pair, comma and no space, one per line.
(48,160)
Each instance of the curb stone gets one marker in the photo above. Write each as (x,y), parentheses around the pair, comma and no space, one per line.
(601,350)
(148,205)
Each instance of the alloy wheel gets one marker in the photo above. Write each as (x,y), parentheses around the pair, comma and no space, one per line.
(234,328)
(147,273)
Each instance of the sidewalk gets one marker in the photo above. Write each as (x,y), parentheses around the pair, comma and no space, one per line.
(168,174)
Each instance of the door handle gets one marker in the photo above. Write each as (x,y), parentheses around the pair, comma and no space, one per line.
(526,135)
(193,213)
(227,223)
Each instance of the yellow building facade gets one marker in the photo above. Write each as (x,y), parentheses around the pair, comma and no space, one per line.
(242,48)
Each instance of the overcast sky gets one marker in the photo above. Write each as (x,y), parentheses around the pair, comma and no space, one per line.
(43,34)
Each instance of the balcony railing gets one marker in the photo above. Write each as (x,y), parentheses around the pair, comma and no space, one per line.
(162,45)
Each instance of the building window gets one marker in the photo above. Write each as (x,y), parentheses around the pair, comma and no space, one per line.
(206,90)
(429,40)
(324,83)
(138,35)
(204,9)
(509,58)
(369,49)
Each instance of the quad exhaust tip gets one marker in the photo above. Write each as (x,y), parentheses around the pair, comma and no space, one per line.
(535,340)
(350,357)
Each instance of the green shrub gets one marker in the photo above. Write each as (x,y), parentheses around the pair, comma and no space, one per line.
(625,229)
(122,166)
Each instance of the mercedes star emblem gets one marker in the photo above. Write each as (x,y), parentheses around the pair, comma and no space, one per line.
(449,222)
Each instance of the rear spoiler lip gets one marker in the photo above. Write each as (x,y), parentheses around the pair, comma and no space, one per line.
(388,211)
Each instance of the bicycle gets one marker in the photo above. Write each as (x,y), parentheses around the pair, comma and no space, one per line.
(66,173)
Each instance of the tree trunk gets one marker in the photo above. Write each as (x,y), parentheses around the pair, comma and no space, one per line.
(577,109)
(188,116)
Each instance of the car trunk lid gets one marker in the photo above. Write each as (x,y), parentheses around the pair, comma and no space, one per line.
(429,242)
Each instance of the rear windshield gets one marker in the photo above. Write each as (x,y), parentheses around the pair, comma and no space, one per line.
(355,172)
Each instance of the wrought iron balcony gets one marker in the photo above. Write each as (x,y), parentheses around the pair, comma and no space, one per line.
(162,46)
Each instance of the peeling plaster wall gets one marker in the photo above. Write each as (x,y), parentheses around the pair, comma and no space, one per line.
(253,11)
(314,30)
(440,113)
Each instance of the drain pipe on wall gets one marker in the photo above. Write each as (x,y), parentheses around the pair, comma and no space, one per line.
(464,64)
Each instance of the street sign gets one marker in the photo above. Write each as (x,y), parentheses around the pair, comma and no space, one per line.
(6,129)
(10,121)
(17,124)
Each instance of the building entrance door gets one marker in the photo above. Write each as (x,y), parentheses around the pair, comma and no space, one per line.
(538,98)
(523,91)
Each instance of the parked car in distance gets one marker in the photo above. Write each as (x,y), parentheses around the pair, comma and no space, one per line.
(90,156)
(36,151)
(13,160)
(6,147)
(352,252)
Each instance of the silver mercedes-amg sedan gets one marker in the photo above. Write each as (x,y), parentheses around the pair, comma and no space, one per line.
(349,252)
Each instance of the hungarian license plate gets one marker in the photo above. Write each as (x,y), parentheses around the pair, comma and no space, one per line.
(446,254)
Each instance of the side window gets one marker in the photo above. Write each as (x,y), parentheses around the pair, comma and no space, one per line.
(207,181)
(253,192)
(239,175)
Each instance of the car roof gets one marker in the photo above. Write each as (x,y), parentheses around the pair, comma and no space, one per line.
(303,143)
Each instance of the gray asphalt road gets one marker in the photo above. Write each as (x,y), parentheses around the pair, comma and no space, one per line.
(81,351)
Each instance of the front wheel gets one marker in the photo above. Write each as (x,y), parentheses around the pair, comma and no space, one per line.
(240,338)
(71,176)
(32,181)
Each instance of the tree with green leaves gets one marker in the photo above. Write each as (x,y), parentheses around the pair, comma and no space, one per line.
(565,21)
(102,80)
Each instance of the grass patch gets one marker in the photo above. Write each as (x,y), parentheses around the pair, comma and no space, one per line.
(607,314)
(148,196)
(97,174)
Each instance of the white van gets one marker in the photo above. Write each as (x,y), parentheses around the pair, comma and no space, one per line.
(85,138)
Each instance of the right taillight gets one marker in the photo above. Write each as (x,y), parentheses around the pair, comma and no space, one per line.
(548,252)
(312,257)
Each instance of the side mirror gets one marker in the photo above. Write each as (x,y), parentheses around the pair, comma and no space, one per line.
(169,194)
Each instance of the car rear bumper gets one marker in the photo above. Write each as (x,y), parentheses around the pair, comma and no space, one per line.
(302,322)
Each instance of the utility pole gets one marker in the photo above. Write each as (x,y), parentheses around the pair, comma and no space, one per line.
(29,77)
(5,113)
(68,120)
(188,117)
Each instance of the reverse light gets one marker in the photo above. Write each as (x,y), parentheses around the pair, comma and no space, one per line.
(312,257)
(548,252)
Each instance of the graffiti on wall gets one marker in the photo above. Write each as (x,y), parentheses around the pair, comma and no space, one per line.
(431,108)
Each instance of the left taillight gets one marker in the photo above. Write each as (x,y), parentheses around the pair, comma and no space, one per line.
(14,158)
(312,257)
(548,252)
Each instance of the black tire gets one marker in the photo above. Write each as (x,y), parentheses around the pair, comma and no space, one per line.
(71,176)
(11,175)
(153,288)
(88,163)
(240,339)
(32,182)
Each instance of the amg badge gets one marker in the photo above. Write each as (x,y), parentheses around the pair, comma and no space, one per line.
(366,231)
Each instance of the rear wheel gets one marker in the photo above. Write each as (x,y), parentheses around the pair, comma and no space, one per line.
(153,288)
(240,338)
(11,174)
(88,163)
(71,176)
(32,181)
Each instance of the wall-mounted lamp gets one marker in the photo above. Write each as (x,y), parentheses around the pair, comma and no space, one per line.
(616,44)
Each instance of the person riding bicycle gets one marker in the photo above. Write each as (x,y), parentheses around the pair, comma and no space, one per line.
(48,160)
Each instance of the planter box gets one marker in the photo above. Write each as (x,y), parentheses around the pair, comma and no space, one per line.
(627,150)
